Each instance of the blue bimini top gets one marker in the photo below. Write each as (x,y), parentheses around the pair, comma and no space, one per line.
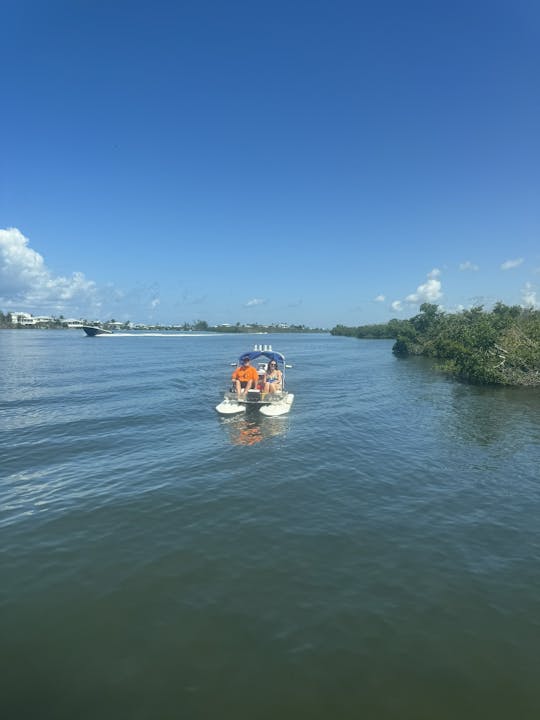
(270,354)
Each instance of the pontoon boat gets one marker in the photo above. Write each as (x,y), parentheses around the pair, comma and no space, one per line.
(270,404)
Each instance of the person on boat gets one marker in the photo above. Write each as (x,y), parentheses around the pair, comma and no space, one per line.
(274,378)
(245,377)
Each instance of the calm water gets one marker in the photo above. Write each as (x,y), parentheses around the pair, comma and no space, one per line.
(376,554)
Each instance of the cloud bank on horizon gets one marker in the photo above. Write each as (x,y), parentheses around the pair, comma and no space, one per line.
(25,280)
(27,284)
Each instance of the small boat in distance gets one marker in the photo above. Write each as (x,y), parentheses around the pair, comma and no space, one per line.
(269,404)
(93,330)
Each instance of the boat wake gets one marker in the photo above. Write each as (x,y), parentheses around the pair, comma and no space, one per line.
(156,334)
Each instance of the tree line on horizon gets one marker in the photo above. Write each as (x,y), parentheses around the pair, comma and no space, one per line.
(496,347)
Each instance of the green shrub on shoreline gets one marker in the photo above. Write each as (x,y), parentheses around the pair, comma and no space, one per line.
(499,347)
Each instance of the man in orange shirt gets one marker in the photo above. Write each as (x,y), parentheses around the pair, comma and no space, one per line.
(245,377)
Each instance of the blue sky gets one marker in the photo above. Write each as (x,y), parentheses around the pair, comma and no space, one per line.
(304,162)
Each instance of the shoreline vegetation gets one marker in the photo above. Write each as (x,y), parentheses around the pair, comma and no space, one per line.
(497,347)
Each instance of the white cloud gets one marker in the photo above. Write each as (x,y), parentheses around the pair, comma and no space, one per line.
(26,282)
(528,296)
(397,306)
(379,298)
(430,291)
(468,265)
(28,285)
(255,301)
(509,264)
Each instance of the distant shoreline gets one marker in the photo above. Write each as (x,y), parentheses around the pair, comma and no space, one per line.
(168,328)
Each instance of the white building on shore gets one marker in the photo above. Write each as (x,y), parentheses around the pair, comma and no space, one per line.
(24,318)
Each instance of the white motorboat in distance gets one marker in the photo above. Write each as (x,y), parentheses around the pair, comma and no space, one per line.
(269,404)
